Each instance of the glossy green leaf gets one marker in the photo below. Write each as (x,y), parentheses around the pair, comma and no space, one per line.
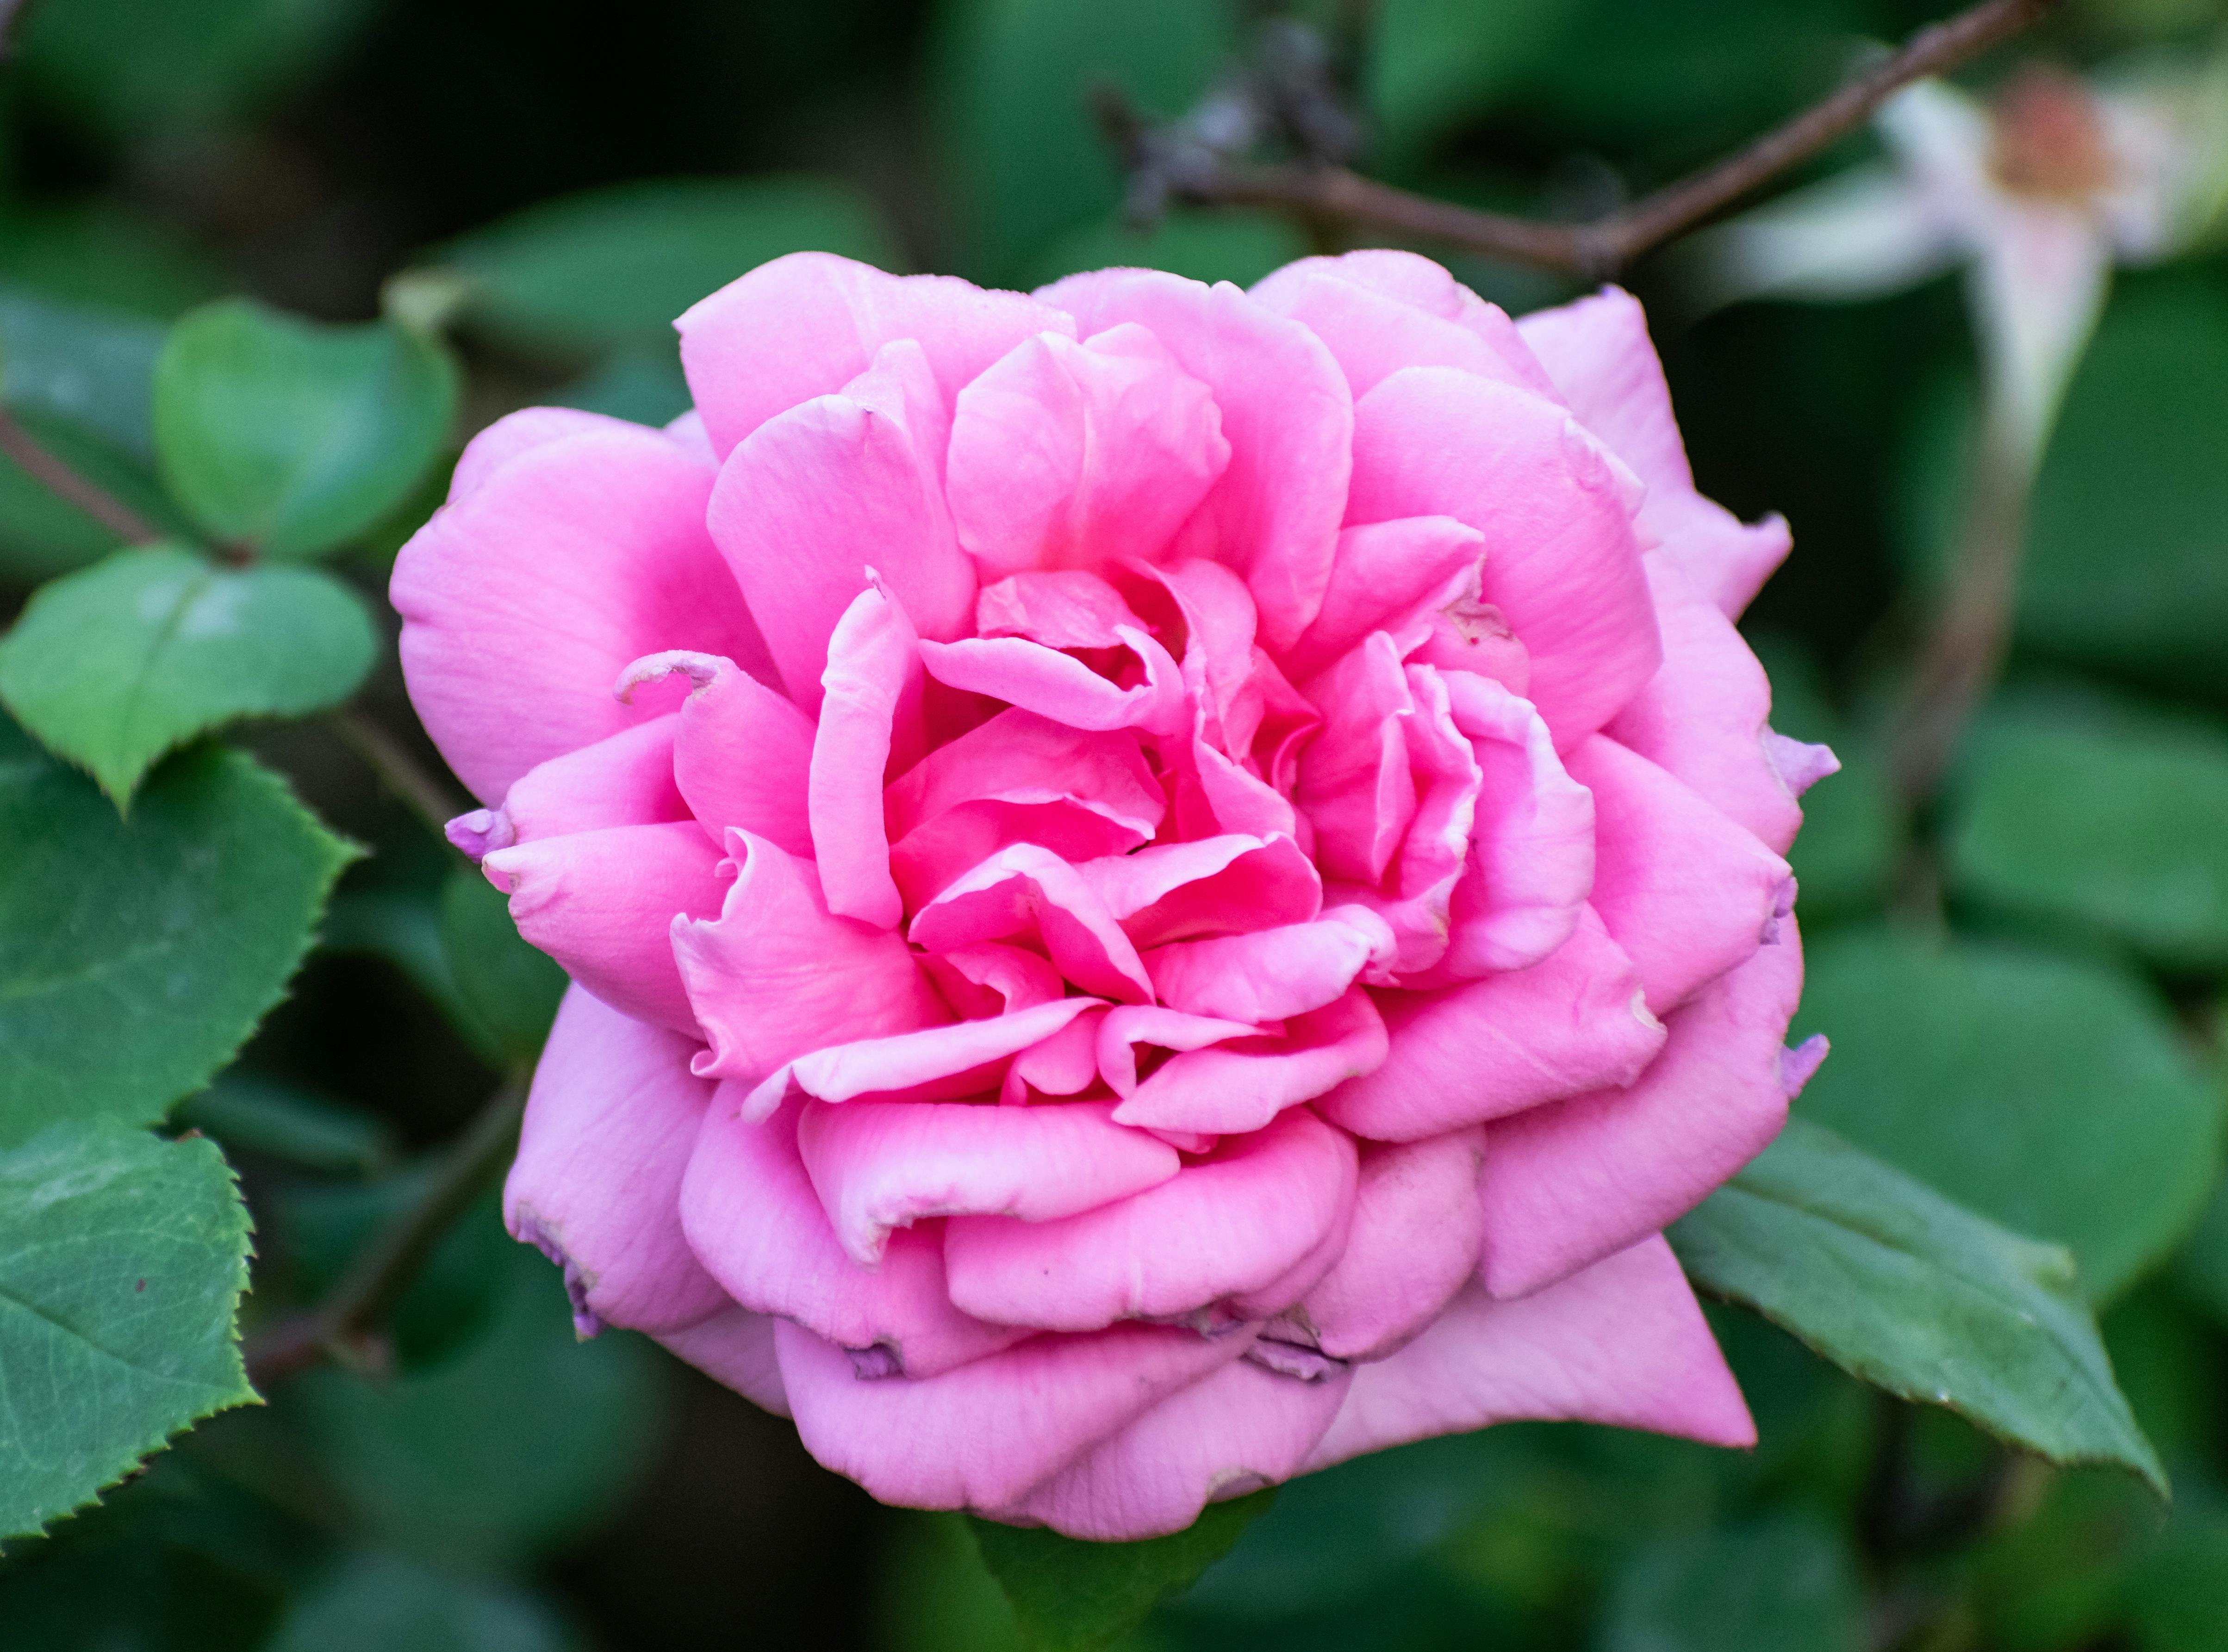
(1783,1583)
(1076,1597)
(2201,1270)
(42,534)
(2051,1094)
(122,1258)
(1433,63)
(509,987)
(593,269)
(118,665)
(253,1114)
(289,435)
(136,956)
(2122,830)
(90,365)
(375,1603)
(1916,1295)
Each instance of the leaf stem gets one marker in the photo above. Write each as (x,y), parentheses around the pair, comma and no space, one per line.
(1599,248)
(398,771)
(375,1282)
(52,473)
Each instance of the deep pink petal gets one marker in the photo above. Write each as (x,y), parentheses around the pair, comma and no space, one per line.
(1687,894)
(742,756)
(1060,608)
(1232,1432)
(1623,1343)
(871,707)
(1566,1183)
(936,1064)
(1574,1022)
(1390,576)
(808,324)
(926,1443)
(1562,564)
(1423,285)
(603,904)
(754,1221)
(735,1348)
(1024,890)
(1263,975)
(777,974)
(1355,784)
(624,779)
(1212,886)
(877,1166)
(1128,1027)
(1414,1243)
(1286,412)
(524,598)
(1060,686)
(1241,1085)
(1228,1224)
(609,1127)
(991,979)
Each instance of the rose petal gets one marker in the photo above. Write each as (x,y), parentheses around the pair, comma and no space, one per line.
(871,707)
(735,1349)
(1023,889)
(742,756)
(1241,1086)
(1417,1229)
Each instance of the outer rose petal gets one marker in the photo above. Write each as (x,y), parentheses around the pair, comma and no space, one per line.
(754,1221)
(1574,1022)
(603,904)
(1417,281)
(529,427)
(1227,1225)
(624,779)
(1562,565)
(523,600)
(1417,1229)
(921,1443)
(810,323)
(1286,412)
(1373,336)
(1230,1433)
(1622,1344)
(777,974)
(609,1124)
(1568,1183)
(742,755)
(883,1165)
(734,1347)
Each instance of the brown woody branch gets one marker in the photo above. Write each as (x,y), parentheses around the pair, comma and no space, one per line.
(1198,174)
(397,769)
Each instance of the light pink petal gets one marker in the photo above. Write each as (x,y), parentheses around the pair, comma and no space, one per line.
(1230,1224)
(1060,686)
(1566,1183)
(1242,1085)
(1065,1064)
(1023,890)
(1263,975)
(1372,335)
(1286,412)
(1060,608)
(1529,866)
(624,779)
(1685,892)
(1562,564)
(1424,285)
(688,431)
(871,705)
(1702,716)
(1077,456)
(1235,1430)
(742,756)
(609,1124)
(531,428)
(777,974)
(830,489)
(1722,557)
(1598,351)
(877,1166)
(936,1064)
(1130,1025)
(521,600)
(603,904)
(756,1224)
(735,1348)
(1210,885)
(926,1443)
(1392,576)
(1622,1344)
(1417,1228)
(1574,1022)
(989,979)
(1355,784)
(809,323)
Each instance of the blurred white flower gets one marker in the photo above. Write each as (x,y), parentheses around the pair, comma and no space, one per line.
(2040,192)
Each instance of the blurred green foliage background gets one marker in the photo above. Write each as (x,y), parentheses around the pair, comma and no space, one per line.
(2036,1031)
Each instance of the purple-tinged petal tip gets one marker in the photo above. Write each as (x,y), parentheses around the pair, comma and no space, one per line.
(1796,1065)
(1798,764)
(482,832)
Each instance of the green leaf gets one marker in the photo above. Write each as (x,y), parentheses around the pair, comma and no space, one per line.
(251,1114)
(115,665)
(1786,1582)
(2201,1271)
(102,252)
(524,1439)
(1916,1295)
(590,270)
(1076,1597)
(136,956)
(40,534)
(2122,830)
(122,1258)
(2051,1094)
(640,382)
(88,364)
(1434,63)
(404,927)
(509,987)
(290,435)
(375,1602)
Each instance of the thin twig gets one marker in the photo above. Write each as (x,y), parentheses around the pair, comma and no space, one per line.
(398,771)
(368,1291)
(58,478)
(1603,247)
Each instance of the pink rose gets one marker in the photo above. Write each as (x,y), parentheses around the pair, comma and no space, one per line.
(1176,883)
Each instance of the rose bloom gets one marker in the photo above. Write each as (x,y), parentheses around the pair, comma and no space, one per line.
(1164,885)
